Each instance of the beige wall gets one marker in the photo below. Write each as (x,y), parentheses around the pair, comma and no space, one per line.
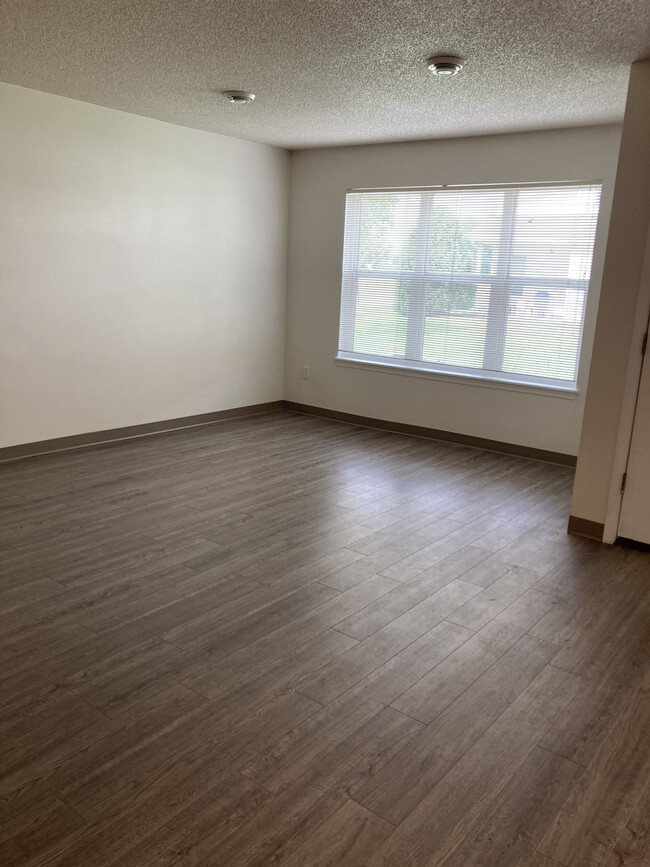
(142,273)
(622,319)
(142,269)
(319,180)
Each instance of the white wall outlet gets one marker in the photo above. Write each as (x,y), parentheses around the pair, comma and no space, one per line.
(306,374)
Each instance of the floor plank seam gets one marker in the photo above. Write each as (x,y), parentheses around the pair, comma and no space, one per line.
(90,705)
(573,672)
(404,713)
(196,692)
(547,640)
(559,863)
(315,700)
(68,806)
(370,810)
(564,758)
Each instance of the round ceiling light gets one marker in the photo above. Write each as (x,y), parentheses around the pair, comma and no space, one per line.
(445,64)
(239,97)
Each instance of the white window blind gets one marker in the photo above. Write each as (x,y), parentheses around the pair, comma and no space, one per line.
(488,282)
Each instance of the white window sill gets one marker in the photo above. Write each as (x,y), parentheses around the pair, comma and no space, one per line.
(462,378)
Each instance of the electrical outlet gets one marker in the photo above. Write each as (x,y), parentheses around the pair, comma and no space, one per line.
(305,372)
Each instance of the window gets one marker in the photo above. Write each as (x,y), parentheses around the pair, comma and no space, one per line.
(485,282)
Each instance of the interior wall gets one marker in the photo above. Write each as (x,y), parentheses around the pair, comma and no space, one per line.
(319,180)
(622,320)
(142,269)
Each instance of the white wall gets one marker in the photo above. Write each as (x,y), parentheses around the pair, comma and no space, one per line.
(319,179)
(142,269)
(622,319)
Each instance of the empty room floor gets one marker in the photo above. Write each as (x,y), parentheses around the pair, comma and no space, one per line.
(283,640)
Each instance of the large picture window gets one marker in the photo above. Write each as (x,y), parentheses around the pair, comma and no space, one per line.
(485,282)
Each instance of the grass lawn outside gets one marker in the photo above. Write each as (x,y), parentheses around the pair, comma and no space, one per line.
(539,346)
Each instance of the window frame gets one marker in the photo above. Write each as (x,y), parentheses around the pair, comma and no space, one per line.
(498,309)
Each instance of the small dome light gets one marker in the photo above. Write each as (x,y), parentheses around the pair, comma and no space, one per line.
(444,64)
(238,97)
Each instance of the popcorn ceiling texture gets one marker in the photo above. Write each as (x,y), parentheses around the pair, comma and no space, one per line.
(332,71)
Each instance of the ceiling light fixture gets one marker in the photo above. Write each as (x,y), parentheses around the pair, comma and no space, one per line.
(445,64)
(239,97)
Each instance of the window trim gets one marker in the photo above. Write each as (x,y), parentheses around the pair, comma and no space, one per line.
(479,376)
(418,372)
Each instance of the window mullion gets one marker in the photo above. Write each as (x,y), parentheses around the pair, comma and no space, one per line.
(417,306)
(497,317)
(350,282)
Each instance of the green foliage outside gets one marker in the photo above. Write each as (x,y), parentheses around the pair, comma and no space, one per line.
(376,222)
(450,249)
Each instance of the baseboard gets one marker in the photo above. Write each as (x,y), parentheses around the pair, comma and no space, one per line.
(583,527)
(93,438)
(77,441)
(434,434)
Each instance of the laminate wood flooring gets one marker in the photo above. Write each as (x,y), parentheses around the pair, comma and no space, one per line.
(283,640)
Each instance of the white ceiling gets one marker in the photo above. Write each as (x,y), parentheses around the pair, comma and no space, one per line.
(332,71)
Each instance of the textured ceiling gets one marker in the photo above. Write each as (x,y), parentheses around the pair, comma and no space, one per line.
(332,71)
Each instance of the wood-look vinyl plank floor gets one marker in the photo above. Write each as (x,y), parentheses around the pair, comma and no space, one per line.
(286,640)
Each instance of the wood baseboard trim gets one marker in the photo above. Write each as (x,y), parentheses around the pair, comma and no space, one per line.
(94,438)
(583,527)
(434,434)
